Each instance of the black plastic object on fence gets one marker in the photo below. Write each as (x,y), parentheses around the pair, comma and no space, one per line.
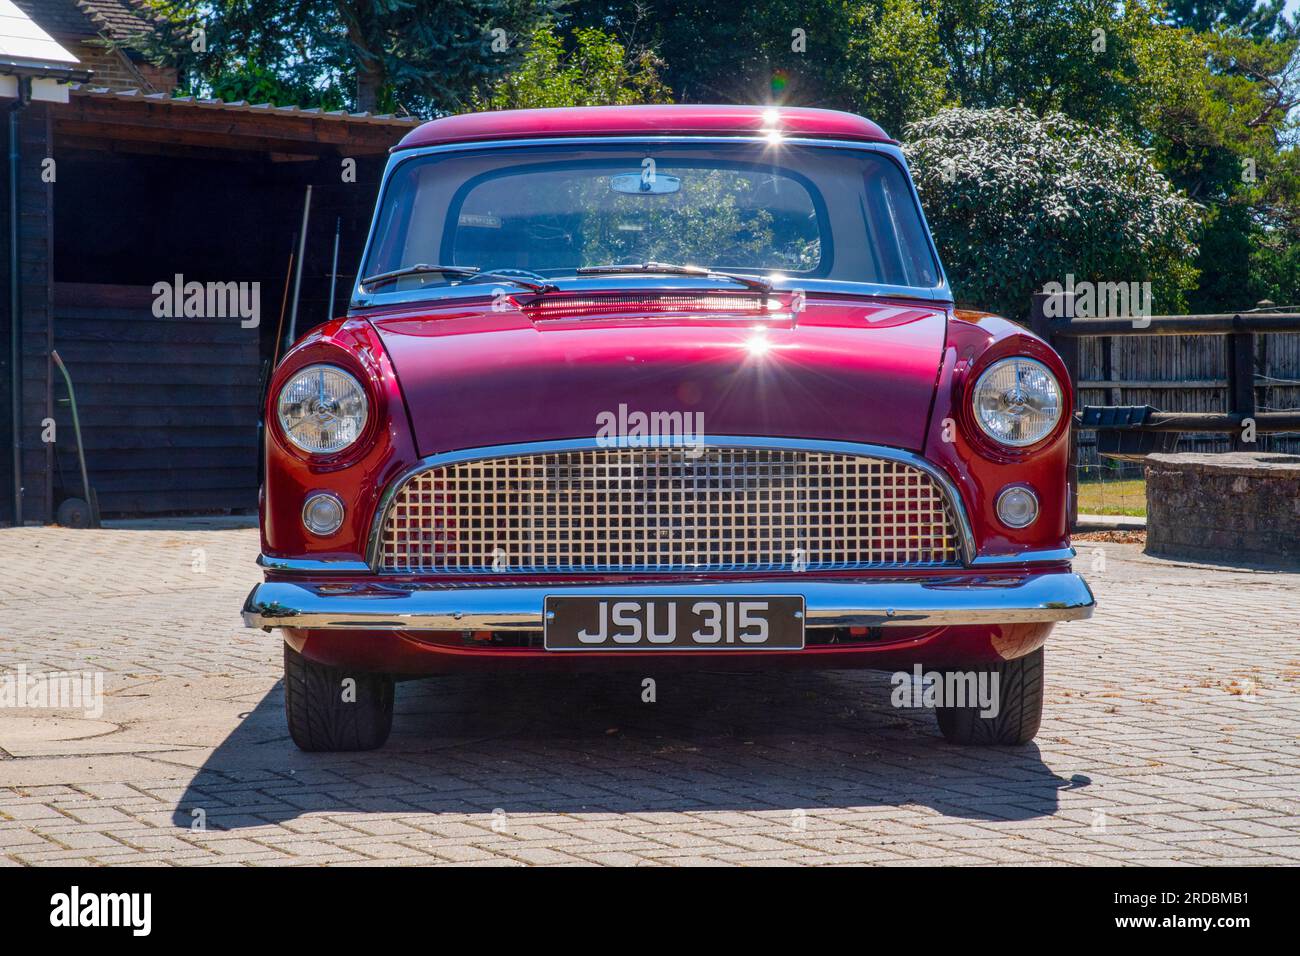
(1063,332)
(1119,434)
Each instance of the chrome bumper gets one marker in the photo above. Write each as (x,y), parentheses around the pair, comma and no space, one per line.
(382,606)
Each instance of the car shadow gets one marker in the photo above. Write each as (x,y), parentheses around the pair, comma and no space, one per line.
(222,522)
(591,743)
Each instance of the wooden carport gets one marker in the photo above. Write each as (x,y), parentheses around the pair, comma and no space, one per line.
(143,189)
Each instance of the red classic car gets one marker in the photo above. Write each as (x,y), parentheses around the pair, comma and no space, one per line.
(677,381)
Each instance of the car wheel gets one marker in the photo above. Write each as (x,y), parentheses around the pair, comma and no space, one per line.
(325,712)
(1020,707)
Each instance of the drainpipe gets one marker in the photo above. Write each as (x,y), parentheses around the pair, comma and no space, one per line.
(15,302)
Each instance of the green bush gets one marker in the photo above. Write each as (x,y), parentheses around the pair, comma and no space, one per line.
(1016,201)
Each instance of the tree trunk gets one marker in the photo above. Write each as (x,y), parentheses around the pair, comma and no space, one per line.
(360,21)
(368,86)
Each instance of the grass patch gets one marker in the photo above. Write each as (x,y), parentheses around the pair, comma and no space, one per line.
(1126,497)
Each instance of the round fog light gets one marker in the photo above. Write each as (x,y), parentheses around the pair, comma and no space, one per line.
(323,514)
(1017,506)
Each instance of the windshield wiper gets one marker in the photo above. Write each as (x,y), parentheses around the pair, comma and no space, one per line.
(465,272)
(669,269)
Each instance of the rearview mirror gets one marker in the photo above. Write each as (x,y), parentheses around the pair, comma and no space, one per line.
(640,184)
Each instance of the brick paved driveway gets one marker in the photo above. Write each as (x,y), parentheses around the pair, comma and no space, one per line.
(1170,735)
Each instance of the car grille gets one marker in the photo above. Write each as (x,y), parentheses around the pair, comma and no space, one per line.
(668,509)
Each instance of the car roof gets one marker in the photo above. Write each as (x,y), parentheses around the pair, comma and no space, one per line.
(644,120)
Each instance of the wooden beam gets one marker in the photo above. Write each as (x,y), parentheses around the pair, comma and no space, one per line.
(1219,324)
(1239,358)
(72,142)
(217,148)
(1221,422)
(1155,383)
(218,127)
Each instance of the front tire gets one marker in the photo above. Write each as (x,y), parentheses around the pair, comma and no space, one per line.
(1020,707)
(325,713)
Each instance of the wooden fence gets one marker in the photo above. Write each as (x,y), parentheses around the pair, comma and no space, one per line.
(1187,374)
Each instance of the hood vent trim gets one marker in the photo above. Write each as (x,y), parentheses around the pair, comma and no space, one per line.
(569,307)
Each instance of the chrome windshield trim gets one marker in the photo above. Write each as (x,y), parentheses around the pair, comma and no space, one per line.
(623,283)
(944,601)
(723,441)
(939,293)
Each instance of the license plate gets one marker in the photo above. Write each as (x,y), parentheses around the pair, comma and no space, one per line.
(673,623)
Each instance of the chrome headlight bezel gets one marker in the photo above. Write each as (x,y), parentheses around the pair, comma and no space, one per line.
(309,517)
(1027,495)
(346,406)
(1011,431)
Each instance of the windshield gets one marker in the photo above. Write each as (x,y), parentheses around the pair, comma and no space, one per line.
(548,211)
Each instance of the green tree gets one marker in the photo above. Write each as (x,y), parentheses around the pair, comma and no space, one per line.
(880,58)
(599,71)
(1210,87)
(1016,201)
(1078,57)
(892,66)
(1216,107)
(1261,20)
(1218,111)
(423,56)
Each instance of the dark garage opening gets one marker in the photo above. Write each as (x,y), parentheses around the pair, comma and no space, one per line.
(169,406)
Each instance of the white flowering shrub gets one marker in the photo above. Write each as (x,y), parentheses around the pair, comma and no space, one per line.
(1016,200)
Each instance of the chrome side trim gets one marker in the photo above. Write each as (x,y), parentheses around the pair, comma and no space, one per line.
(939,476)
(312,565)
(1045,556)
(380,606)
(309,566)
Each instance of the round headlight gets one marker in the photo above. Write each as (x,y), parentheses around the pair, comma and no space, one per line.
(322,409)
(1017,401)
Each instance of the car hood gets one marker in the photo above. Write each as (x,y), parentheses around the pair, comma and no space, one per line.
(837,369)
